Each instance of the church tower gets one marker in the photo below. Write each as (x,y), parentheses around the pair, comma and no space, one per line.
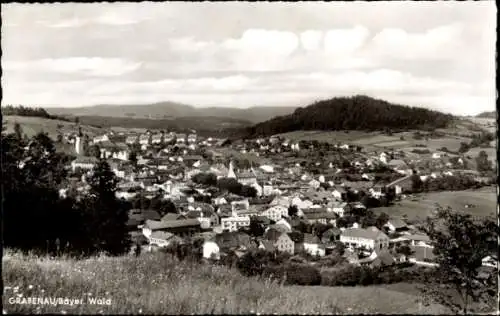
(79,143)
(231,173)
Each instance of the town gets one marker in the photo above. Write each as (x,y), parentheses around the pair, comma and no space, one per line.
(249,158)
(309,198)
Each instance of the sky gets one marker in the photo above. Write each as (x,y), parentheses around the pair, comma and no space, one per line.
(438,55)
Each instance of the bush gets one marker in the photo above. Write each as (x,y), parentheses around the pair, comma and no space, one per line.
(299,274)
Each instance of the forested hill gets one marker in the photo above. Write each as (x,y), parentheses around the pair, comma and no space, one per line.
(491,114)
(352,113)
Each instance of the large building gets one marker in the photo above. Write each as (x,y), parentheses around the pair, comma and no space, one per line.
(369,238)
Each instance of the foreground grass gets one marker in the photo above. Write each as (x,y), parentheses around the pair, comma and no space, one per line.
(159,284)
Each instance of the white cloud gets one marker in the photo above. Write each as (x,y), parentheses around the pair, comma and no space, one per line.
(91,66)
(265,41)
(345,41)
(113,18)
(73,22)
(311,39)
(438,43)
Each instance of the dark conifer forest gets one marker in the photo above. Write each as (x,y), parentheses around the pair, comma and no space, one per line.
(353,113)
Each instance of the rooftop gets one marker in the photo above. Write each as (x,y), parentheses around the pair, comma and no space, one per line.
(158,225)
(367,233)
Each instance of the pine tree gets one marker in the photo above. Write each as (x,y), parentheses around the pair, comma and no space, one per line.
(107,216)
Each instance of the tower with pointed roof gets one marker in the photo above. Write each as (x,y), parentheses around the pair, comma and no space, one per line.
(79,143)
(231,173)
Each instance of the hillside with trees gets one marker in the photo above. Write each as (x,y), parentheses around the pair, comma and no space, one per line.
(353,113)
(206,126)
(31,112)
(171,110)
(491,114)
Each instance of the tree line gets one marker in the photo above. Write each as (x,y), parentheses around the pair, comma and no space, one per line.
(33,112)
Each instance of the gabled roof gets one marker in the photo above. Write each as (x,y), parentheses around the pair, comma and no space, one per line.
(158,225)
(197,214)
(86,160)
(161,235)
(418,237)
(314,210)
(335,231)
(272,235)
(367,233)
(311,239)
(397,223)
(170,217)
(321,215)
(280,227)
(232,240)
(399,180)
(268,245)
(151,215)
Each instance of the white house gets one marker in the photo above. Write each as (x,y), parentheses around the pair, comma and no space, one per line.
(337,208)
(84,163)
(436,155)
(233,223)
(383,157)
(211,250)
(301,204)
(313,245)
(394,225)
(370,238)
(281,200)
(337,194)
(276,212)
(267,168)
(144,139)
(267,190)
(315,184)
(99,139)
(131,139)
(191,138)
(490,261)
(161,238)
(284,223)
(240,205)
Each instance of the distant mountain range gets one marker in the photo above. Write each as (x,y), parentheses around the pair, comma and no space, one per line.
(170,110)
(491,114)
(352,113)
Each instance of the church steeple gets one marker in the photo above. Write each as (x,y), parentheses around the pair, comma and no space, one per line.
(231,173)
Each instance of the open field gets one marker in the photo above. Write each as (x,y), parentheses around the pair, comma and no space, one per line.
(484,199)
(492,153)
(326,136)
(33,125)
(488,124)
(254,159)
(159,284)
(378,140)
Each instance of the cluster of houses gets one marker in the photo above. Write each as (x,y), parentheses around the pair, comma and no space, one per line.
(166,163)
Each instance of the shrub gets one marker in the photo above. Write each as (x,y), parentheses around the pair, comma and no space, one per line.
(298,274)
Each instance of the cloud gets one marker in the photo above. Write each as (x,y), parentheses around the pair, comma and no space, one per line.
(311,39)
(438,43)
(73,22)
(90,66)
(345,41)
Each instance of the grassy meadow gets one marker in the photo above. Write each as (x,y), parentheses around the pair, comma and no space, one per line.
(33,125)
(484,199)
(156,283)
(378,140)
